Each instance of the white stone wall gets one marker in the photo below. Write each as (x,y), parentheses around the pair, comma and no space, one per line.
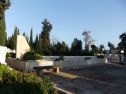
(27,65)
(114,59)
(73,62)
(21,46)
(78,63)
(3,51)
(69,57)
(34,63)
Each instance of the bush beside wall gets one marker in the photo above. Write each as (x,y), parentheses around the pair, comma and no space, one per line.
(31,55)
(13,82)
(12,55)
(100,56)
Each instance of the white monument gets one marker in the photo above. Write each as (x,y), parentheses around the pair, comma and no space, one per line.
(21,46)
(3,51)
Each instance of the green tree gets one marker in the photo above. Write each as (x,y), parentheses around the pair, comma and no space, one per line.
(111,46)
(94,49)
(11,42)
(45,37)
(31,39)
(4,4)
(36,40)
(60,48)
(76,47)
(122,44)
(38,44)
(101,49)
(65,48)
(27,38)
(14,37)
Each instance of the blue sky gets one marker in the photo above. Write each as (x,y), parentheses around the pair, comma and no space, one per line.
(106,19)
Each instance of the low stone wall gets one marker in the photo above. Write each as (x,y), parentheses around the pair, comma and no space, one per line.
(16,64)
(67,63)
(34,63)
(69,57)
(27,65)
(79,62)
(116,59)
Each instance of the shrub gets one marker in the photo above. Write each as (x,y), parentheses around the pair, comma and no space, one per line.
(100,56)
(3,68)
(12,55)
(31,55)
(13,82)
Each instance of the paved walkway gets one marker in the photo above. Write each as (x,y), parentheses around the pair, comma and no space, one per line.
(99,79)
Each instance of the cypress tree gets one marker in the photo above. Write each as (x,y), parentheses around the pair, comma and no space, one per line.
(4,4)
(31,39)
(27,38)
(2,32)
(11,42)
(38,45)
(14,37)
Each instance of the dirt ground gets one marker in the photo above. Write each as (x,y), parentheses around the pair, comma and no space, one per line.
(98,79)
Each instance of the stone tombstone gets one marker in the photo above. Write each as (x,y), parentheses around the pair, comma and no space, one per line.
(21,46)
(3,51)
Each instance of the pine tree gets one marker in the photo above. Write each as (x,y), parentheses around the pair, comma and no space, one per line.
(45,37)
(76,47)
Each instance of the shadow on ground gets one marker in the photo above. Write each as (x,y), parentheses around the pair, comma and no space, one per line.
(99,79)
